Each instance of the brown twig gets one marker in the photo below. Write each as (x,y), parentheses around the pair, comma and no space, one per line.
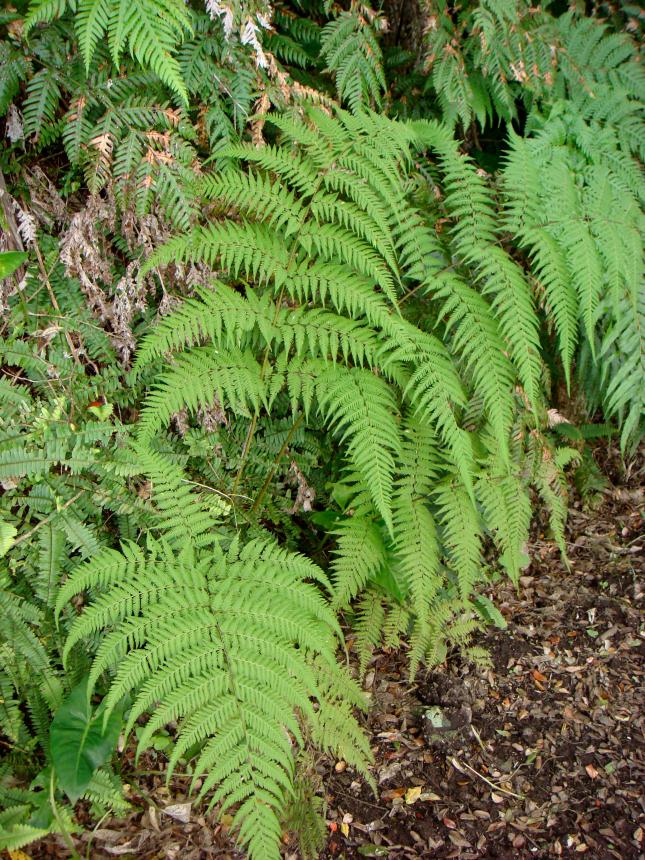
(459,766)
(67,504)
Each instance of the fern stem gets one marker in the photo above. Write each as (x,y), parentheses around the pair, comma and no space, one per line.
(54,301)
(274,465)
(245,452)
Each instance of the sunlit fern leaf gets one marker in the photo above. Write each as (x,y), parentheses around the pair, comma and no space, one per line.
(223,643)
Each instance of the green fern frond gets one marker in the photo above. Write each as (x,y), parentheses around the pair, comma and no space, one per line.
(361,408)
(368,626)
(476,338)
(199,377)
(360,556)
(416,545)
(204,640)
(507,513)
(461,534)
(512,303)
(41,103)
(150,29)
(353,55)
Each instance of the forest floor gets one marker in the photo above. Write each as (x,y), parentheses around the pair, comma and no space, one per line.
(546,759)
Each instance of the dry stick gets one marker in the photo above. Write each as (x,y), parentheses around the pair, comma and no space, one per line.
(48,518)
(477,737)
(459,766)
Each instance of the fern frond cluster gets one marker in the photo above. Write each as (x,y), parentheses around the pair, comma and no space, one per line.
(235,642)
(130,128)
(348,331)
(580,221)
(150,29)
(56,488)
(489,58)
(321,254)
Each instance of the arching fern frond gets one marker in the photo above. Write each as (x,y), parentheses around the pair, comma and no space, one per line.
(232,644)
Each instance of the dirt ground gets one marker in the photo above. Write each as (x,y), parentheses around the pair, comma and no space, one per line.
(545,757)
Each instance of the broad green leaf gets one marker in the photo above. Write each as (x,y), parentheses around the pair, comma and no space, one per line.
(10,261)
(80,741)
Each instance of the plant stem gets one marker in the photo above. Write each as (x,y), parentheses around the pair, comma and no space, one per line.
(67,504)
(275,463)
(62,829)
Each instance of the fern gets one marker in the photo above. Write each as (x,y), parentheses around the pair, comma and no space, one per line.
(229,641)
(151,30)
(343,321)
(352,54)
(485,59)
(361,554)
(585,255)
(404,404)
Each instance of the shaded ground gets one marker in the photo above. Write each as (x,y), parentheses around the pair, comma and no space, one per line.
(548,757)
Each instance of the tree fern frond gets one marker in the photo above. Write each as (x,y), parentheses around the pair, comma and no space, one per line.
(461,533)
(512,302)
(151,29)
(475,337)
(370,617)
(507,513)
(219,314)
(360,407)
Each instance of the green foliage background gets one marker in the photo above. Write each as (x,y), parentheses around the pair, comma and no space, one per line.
(295,300)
